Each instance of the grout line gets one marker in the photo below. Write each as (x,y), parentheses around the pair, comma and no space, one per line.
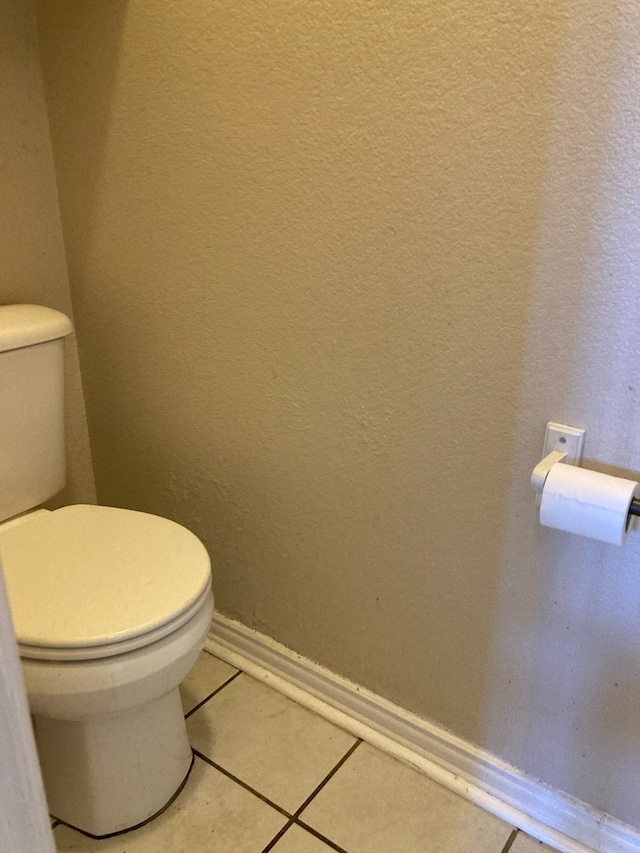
(320,836)
(211,695)
(277,837)
(54,823)
(244,785)
(212,655)
(329,776)
(293,818)
(307,828)
(510,841)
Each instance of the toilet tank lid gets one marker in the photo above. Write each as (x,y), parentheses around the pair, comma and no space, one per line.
(26,325)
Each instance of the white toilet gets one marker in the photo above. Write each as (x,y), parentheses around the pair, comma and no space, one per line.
(110,606)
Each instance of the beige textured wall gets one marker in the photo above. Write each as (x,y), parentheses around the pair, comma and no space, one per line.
(32,257)
(334,266)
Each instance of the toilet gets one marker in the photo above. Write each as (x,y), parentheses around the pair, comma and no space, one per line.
(110,606)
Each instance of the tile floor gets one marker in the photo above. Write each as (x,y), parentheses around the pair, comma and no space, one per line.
(270,775)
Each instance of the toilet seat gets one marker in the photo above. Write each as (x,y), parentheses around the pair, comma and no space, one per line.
(88,653)
(88,582)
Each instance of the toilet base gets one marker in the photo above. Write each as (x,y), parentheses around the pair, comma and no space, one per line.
(106,774)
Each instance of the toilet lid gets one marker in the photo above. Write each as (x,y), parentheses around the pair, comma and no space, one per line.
(86,576)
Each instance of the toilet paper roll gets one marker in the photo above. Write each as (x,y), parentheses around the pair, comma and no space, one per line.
(587,503)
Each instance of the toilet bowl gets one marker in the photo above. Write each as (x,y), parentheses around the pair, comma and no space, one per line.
(111,608)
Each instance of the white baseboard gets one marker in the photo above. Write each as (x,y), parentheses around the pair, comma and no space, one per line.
(552,816)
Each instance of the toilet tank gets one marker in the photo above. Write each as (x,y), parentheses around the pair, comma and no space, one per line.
(32,447)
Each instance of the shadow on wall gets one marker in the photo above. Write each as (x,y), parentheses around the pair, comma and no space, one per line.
(566,670)
(70,27)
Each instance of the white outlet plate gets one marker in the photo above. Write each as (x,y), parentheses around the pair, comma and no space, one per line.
(566,439)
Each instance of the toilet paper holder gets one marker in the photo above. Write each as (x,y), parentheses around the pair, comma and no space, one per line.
(541,471)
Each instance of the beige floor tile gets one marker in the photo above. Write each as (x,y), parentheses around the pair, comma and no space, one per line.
(526,844)
(206,675)
(211,813)
(375,804)
(273,744)
(297,840)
